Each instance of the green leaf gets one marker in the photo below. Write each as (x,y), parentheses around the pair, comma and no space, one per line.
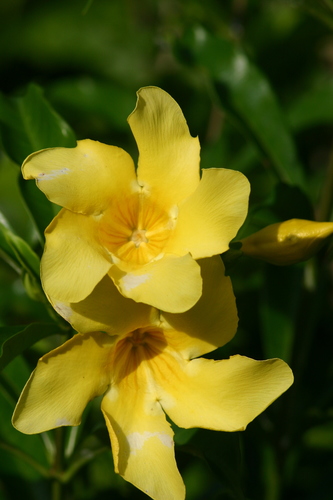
(182,436)
(41,209)
(222,452)
(289,202)
(320,437)
(284,202)
(28,123)
(312,108)
(17,251)
(246,95)
(16,339)
(231,257)
(84,97)
(321,9)
(20,453)
(22,258)
(279,308)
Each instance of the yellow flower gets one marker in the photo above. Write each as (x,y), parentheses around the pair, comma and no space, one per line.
(287,242)
(149,370)
(143,228)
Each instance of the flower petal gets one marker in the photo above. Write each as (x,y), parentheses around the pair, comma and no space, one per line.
(82,179)
(222,395)
(65,380)
(212,216)
(73,261)
(172,283)
(107,310)
(212,321)
(169,157)
(141,438)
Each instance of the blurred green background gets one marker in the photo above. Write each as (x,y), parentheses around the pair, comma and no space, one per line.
(254,79)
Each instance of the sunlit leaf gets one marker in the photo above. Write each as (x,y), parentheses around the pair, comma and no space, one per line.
(245,93)
(28,123)
(17,251)
(19,255)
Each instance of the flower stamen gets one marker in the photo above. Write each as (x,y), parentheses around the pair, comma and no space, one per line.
(139,236)
(135,229)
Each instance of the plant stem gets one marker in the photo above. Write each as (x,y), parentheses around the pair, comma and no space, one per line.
(69,473)
(57,465)
(49,446)
(326,200)
(26,458)
(71,441)
(56,489)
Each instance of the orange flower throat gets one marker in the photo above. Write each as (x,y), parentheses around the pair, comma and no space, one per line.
(135,229)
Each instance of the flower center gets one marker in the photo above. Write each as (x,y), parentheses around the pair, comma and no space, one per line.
(138,237)
(135,229)
(139,346)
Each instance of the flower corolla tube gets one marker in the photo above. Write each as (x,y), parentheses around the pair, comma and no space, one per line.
(145,227)
(147,364)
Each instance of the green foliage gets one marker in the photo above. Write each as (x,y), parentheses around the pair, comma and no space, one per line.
(16,339)
(28,123)
(254,80)
(223,453)
(16,251)
(244,92)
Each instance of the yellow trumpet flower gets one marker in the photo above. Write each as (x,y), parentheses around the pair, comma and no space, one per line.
(144,228)
(147,365)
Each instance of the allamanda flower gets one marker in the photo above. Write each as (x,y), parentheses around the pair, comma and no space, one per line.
(150,369)
(143,228)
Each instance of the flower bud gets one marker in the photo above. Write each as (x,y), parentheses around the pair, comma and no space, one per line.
(287,242)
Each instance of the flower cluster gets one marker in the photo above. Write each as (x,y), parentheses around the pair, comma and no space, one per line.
(132,262)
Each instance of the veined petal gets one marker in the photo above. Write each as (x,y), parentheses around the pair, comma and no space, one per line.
(82,179)
(156,283)
(107,310)
(73,261)
(212,321)
(169,156)
(65,380)
(222,395)
(141,438)
(211,217)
